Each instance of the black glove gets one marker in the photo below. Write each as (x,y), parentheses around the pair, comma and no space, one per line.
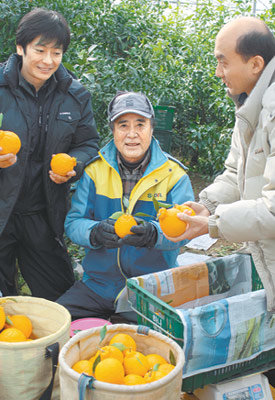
(145,235)
(103,234)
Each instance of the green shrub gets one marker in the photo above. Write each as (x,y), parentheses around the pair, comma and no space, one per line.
(139,45)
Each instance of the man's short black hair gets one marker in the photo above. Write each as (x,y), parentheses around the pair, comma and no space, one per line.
(256,43)
(50,25)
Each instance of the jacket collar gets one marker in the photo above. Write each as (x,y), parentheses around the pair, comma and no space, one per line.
(267,77)
(253,104)
(10,74)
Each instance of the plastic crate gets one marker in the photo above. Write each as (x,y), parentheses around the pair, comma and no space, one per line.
(158,315)
(164,117)
(164,138)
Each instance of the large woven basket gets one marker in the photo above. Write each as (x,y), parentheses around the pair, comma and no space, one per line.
(84,343)
(27,368)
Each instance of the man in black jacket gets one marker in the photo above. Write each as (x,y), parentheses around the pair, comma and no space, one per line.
(51,113)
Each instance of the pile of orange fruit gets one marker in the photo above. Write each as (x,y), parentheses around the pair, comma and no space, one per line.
(120,363)
(14,328)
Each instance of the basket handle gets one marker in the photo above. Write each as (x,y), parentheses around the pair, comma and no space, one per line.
(51,352)
(84,381)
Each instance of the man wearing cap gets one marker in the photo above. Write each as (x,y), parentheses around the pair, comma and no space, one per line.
(127,174)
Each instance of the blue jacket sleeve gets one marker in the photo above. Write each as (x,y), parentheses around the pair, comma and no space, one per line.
(79,223)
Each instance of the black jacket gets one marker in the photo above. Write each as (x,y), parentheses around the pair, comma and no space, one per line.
(71,129)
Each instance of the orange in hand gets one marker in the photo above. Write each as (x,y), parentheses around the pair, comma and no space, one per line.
(9,142)
(170,224)
(62,163)
(123,225)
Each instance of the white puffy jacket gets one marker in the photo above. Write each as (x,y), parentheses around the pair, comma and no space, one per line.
(242,199)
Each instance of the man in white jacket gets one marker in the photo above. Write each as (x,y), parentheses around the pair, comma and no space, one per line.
(239,205)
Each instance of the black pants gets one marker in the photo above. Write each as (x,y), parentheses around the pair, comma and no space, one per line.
(82,302)
(44,262)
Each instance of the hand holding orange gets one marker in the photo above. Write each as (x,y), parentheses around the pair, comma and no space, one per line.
(170,224)
(123,225)
(62,163)
(9,142)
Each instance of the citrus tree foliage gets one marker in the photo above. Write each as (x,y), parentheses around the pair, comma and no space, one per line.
(146,46)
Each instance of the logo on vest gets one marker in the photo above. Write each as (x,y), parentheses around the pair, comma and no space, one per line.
(155,195)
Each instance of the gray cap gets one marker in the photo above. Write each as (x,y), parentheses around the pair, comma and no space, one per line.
(130,102)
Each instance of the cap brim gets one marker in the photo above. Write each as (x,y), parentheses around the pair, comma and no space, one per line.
(143,114)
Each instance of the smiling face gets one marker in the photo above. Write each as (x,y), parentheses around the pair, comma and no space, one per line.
(132,136)
(39,61)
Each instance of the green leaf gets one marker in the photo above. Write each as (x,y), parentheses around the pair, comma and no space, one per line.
(1,119)
(102,333)
(141,214)
(97,360)
(139,361)
(9,321)
(159,204)
(165,205)
(75,331)
(116,215)
(156,205)
(156,367)
(172,358)
(119,346)
(125,202)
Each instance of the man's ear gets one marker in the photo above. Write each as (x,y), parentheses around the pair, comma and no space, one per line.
(258,64)
(19,50)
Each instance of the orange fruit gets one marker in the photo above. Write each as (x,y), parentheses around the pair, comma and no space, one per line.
(83,366)
(62,163)
(124,339)
(152,376)
(135,363)
(123,225)
(2,318)
(12,335)
(170,224)
(133,379)
(166,368)
(92,359)
(110,370)
(10,142)
(21,322)
(110,351)
(154,359)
